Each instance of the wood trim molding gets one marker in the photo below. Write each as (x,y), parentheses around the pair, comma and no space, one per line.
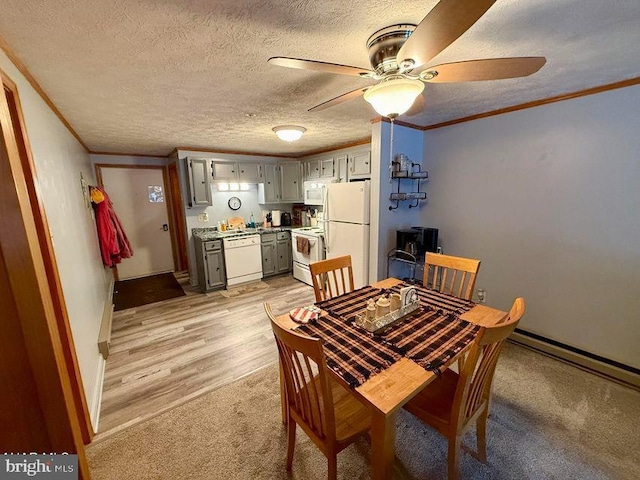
(362,141)
(231,152)
(397,122)
(49,258)
(536,103)
(36,86)
(119,154)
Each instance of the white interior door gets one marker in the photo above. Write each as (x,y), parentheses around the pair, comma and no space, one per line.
(139,198)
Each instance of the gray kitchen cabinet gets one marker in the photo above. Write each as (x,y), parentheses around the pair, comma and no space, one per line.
(268,243)
(198,186)
(290,181)
(360,165)
(269,189)
(276,253)
(311,170)
(210,264)
(341,165)
(224,171)
(326,168)
(283,252)
(250,172)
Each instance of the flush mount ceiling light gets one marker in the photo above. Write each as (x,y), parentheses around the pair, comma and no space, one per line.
(289,133)
(394,96)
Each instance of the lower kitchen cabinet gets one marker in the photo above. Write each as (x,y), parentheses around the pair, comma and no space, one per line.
(210,264)
(276,253)
(283,250)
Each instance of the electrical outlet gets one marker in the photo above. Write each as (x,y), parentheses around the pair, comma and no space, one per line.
(482,295)
(203,217)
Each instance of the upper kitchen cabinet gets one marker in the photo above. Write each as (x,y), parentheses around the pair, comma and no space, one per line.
(269,189)
(360,165)
(311,169)
(250,173)
(341,168)
(290,181)
(224,171)
(198,186)
(326,168)
(236,172)
(315,169)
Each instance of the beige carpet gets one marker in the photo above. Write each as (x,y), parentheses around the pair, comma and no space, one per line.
(549,421)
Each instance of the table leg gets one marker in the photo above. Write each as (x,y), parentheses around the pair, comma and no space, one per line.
(383,435)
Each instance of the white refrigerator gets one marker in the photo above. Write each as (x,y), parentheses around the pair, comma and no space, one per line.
(346,215)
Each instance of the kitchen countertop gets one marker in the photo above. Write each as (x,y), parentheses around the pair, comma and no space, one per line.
(206,234)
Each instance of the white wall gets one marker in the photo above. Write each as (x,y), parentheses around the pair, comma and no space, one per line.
(385,222)
(548,199)
(59,160)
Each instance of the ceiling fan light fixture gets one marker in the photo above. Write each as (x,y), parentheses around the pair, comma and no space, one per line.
(289,133)
(394,96)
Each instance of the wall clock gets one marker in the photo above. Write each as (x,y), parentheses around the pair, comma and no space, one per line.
(234,203)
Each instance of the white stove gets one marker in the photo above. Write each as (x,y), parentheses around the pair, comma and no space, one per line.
(304,254)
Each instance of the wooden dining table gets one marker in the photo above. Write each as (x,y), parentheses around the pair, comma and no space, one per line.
(386,392)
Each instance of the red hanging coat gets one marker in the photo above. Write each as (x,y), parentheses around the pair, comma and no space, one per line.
(114,244)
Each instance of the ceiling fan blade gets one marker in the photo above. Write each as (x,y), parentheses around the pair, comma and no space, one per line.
(487,69)
(319,66)
(340,99)
(440,28)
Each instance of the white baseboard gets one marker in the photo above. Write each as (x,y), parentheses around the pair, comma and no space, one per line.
(619,374)
(94,411)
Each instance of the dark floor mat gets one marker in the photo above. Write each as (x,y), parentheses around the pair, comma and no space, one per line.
(142,291)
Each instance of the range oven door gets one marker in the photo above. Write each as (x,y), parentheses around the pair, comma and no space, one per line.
(301,272)
(316,250)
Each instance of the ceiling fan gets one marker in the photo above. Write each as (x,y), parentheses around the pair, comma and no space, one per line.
(399,53)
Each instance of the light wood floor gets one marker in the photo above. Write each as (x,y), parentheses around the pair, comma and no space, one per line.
(169,352)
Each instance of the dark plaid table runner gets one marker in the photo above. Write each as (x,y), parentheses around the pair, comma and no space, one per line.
(431,336)
(353,353)
(348,304)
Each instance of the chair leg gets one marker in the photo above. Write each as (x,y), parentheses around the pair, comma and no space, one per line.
(283,398)
(481,433)
(453,457)
(291,442)
(333,467)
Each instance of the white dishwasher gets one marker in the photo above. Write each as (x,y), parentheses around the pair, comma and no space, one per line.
(243,259)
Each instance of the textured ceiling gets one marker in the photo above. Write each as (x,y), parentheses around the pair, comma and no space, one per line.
(144,76)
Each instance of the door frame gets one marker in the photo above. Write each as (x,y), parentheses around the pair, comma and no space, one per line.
(168,202)
(178,214)
(36,290)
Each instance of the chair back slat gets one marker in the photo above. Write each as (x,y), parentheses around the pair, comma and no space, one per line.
(331,277)
(476,377)
(306,380)
(452,275)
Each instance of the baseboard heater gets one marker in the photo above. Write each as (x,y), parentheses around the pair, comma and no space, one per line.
(104,336)
(620,372)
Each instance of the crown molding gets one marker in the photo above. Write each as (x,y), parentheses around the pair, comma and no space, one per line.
(121,154)
(22,68)
(536,103)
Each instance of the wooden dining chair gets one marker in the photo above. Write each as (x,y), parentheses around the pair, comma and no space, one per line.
(453,275)
(330,277)
(454,402)
(331,416)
